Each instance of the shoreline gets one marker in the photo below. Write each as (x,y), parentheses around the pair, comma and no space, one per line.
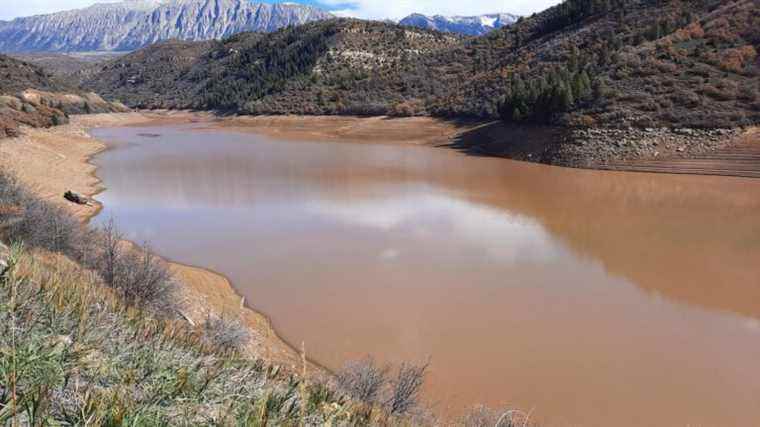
(722,152)
(202,290)
(50,162)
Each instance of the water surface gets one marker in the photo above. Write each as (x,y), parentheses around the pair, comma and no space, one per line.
(592,298)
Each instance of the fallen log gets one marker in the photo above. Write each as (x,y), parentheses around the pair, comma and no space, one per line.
(76,198)
(5,254)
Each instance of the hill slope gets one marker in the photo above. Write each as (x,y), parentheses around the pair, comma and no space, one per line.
(132,24)
(340,66)
(598,64)
(33,97)
(64,64)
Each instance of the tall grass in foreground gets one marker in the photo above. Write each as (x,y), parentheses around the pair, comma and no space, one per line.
(72,353)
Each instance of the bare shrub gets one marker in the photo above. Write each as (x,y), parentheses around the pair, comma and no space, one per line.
(142,277)
(405,389)
(483,416)
(480,416)
(137,274)
(224,333)
(363,380)
(39,223)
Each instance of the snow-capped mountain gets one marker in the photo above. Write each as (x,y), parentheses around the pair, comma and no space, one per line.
(132,24)
(468,25)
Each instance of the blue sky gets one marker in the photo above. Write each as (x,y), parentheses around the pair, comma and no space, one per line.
(375,9)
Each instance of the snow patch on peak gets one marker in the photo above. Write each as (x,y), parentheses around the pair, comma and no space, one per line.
(468,25)
(488,20)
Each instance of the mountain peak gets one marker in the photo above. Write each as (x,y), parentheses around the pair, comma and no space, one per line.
(132,24)
(467,25)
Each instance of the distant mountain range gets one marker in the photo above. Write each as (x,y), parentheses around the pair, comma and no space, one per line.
(468,25)
(132,24)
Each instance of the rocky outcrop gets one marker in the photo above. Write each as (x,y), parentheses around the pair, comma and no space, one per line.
(467,25)
(600,146)
(133,24)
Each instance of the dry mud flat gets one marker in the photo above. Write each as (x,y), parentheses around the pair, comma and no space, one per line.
(408,130)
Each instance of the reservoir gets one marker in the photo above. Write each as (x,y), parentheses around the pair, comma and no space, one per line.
(589,298)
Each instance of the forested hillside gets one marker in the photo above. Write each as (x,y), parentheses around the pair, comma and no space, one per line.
(332,67)
(620,63)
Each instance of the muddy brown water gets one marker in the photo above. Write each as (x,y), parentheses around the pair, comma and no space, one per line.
(589,298)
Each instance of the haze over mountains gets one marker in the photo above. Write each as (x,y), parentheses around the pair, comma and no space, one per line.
(468,25)
(133,24)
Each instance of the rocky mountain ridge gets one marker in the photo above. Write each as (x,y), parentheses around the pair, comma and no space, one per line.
(132,24)
(467,25)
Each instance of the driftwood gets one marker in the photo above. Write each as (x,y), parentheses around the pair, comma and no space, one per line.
(76,198)
(5,253)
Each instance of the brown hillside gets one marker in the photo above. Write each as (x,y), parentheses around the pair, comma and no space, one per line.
(33,97)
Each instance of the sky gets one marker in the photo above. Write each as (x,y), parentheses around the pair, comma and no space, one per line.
(370,9)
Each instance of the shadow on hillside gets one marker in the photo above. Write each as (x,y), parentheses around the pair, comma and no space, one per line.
(499,139)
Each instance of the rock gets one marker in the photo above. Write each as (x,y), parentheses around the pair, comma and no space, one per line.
(76,198)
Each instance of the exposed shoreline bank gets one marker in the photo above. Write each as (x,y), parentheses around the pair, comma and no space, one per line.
(54,160)
(727,152)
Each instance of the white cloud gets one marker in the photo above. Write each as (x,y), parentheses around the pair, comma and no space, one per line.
(396,9)
(502,235)
(18,8)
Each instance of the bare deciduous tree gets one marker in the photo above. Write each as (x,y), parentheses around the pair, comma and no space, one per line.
(363,380)
(406,387)
(224,333)
(136,273)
